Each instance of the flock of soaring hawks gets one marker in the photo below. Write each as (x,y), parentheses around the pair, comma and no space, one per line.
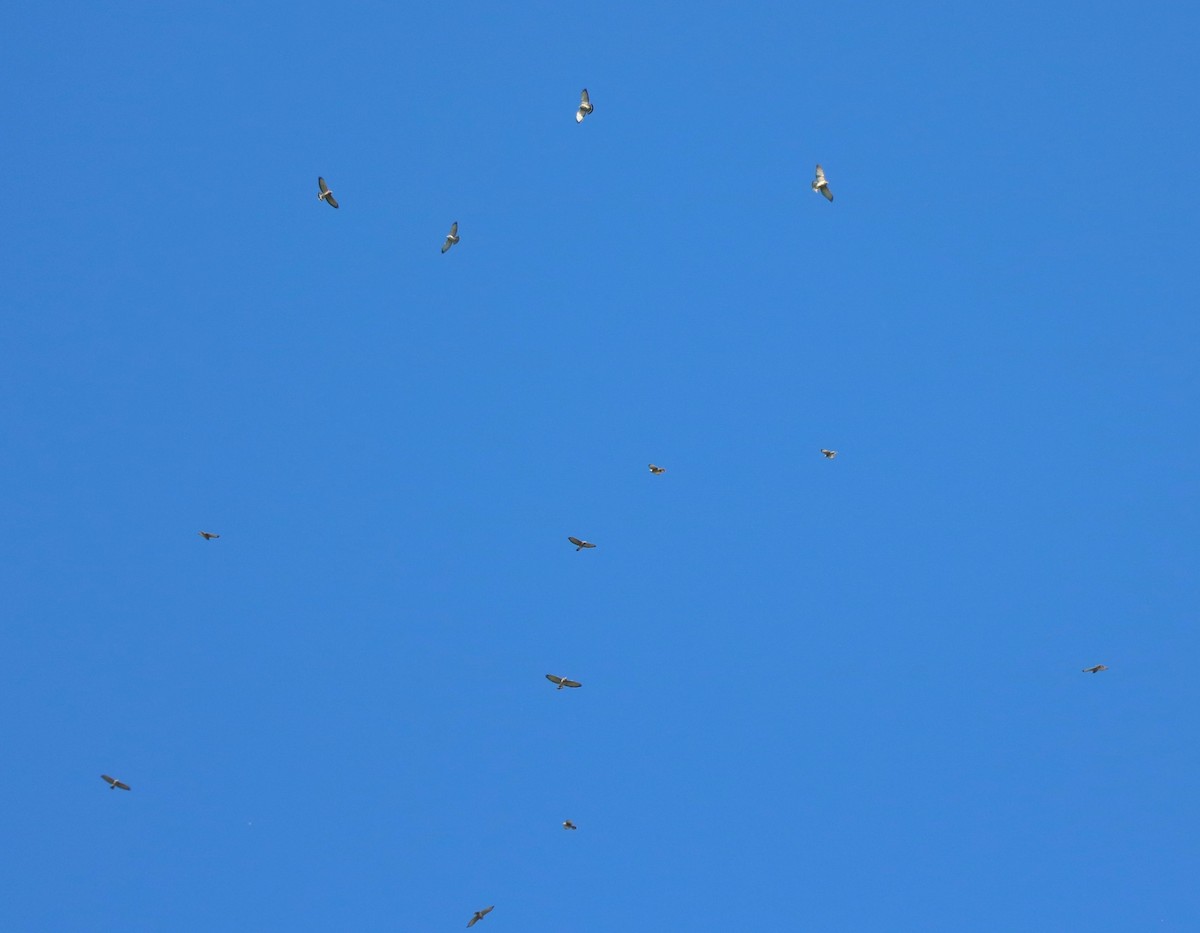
(820,185)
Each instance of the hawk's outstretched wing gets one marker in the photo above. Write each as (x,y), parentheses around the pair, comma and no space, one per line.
(554,679)
(571,683)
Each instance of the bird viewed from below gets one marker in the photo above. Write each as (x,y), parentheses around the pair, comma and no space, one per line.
(821,185)
(585,106)
(113,783)
(479,915)
(1095,670)
(207,535)
(567,824)
(579,544)
(829,454)
(656,470)
(324,194)
(562,681)
(451,237)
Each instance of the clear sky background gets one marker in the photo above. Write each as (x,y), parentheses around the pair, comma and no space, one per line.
(836,696)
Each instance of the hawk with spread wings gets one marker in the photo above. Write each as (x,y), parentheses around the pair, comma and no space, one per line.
(324,194)
(585,106)
(821,185)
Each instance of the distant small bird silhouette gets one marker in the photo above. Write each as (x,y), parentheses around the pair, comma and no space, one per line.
(562,681)
(585,106)
(829,454)
(821,185)
(579,545)
(113,783)
(1095,670)
(207,535)
(451,237)
(325,194)
(479,915)
(567,824)
(656,469)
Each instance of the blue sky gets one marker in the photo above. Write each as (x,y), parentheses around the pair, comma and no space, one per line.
(839,695)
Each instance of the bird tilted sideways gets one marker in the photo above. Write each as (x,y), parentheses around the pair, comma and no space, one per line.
(324,194)
(585,106)
(821,185)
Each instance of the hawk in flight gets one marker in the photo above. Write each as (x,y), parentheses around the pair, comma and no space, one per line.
(829,454)
(1095,670)
(479,915)
(567,824)
(657,469)
(113,783)
(451,237)
(820,184)
(207,535)
(563,682)
(325,194)
(585,106)
(579,545)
